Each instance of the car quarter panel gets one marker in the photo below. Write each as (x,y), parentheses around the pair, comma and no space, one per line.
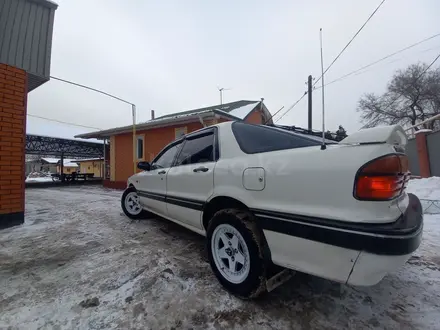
(304,181)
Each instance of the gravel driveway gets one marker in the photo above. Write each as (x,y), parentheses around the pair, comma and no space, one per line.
(76,246)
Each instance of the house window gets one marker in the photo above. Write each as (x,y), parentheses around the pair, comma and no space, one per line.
(179,132)
(140,147)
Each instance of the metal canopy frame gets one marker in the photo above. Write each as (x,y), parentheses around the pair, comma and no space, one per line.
(51,146)
(44,145)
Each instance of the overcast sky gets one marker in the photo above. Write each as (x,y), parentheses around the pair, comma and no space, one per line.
(171,56)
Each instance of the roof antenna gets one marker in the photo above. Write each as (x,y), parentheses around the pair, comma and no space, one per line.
(221,93)
(323,146)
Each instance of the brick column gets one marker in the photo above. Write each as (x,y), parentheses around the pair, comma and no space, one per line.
(13,98)
(422,152)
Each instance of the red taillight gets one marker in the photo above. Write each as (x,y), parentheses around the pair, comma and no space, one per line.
(382,179)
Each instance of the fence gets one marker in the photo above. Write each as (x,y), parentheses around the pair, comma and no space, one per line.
(423,150)
(411,151)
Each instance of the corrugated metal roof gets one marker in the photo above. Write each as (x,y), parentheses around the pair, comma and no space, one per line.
(47,3)
(86,160)
(26,28)
(226,107)
(52,160)
(159,122)
(233,111)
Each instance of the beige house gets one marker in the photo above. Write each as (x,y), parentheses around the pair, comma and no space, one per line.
(92,165)
(69,167)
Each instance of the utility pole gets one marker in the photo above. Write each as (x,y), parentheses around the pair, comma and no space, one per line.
(133,115)
(323,146)
(309,94)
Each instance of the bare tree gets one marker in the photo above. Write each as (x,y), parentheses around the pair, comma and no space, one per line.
(412,96)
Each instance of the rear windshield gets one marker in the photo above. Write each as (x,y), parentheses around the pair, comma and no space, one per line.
(254,139)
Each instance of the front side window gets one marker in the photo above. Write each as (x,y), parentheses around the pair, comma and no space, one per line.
(198,149)
(166,157)
(140,147)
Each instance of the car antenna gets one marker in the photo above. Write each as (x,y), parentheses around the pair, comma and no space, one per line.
(323,146)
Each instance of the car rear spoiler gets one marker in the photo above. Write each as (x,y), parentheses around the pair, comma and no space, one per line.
(394,135)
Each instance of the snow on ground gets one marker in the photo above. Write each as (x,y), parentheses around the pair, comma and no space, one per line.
(153,274)
(425,188)
(43,179)
(428,190)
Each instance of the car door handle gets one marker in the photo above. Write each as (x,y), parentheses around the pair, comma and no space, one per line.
(201,169)
(161,172)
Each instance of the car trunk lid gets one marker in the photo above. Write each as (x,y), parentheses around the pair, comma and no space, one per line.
(394,135)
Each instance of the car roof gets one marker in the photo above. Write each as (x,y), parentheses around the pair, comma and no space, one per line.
(229,123)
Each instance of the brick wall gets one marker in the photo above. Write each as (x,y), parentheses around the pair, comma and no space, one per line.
(154,141)
(255,117)
(13,98)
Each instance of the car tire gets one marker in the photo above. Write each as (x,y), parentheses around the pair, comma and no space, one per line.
(128,203)
(235,249)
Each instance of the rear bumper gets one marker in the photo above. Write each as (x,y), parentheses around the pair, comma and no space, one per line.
(370,269)
(360,254)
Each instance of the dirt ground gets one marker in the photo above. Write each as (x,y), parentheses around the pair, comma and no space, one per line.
(77,245)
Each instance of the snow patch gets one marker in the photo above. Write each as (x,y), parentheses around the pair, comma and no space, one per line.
(66,161)
(69,164)
(243,111)
(51,160)
(158,120)
(86,160)
(428,188)
(45,179)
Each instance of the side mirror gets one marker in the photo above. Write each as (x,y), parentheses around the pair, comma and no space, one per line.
(144,166)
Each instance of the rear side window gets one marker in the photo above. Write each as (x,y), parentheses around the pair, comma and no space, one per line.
(198,149)
(254,139)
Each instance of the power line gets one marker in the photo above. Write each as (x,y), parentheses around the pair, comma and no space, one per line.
(133,111)
(63,122)
(333,62)
(91,88)
(292,106)
(382,59)
(351,40)
(283,108)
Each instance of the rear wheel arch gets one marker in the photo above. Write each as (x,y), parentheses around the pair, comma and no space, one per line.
(220,203)
(225,202)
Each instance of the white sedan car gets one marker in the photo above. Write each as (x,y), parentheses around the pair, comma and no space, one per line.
(264,196)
